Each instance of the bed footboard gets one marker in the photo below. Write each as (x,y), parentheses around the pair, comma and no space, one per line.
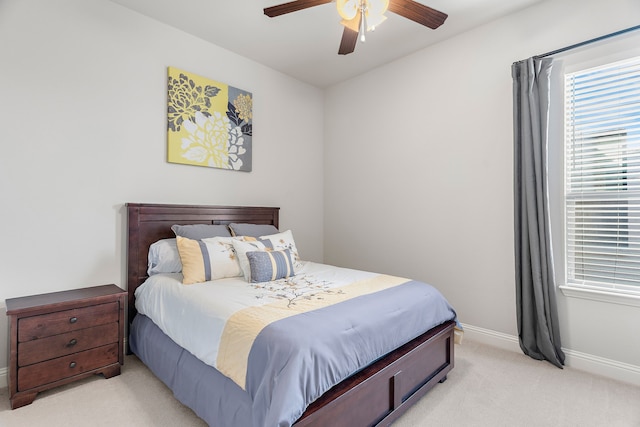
(379,394)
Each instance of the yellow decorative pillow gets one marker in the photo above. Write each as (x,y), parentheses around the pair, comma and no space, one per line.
(207,259)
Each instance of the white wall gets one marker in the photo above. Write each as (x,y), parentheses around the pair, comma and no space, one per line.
(83,119)
(419,173)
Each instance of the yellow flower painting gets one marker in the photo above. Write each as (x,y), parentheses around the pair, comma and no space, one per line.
(208,123)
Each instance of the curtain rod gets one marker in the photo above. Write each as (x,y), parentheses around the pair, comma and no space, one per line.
(584,43)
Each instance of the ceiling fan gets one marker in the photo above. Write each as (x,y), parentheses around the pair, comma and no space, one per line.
(359,16)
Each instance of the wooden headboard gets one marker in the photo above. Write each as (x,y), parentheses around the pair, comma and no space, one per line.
(148,223)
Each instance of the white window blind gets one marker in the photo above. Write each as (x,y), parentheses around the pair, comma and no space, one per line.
(602,193)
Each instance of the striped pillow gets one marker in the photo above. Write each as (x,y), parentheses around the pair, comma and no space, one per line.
(270,265)
(207,259)
(242,245)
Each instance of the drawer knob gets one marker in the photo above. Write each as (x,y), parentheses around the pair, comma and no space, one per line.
(72,364)
(73,320)
(72,342)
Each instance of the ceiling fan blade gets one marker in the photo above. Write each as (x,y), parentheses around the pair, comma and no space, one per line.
(418,12)
(348,42)
(292,6)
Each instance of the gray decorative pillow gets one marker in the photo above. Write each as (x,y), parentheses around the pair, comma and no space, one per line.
(252,230)
(270,265)
(200,231)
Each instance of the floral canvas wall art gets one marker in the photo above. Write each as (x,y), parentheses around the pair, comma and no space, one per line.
(208,123)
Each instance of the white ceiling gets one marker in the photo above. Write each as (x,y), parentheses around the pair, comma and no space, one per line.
(304,44)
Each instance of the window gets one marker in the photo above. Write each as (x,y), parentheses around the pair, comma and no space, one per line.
(602,171)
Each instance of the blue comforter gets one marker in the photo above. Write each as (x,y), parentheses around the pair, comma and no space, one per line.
(295,360)
(306,345)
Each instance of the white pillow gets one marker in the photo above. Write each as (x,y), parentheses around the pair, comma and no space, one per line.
(282,241)
(163,257)
(241,247)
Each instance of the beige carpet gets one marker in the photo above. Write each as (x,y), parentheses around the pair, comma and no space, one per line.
(488,387)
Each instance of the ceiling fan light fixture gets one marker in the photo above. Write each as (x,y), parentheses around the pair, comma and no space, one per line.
(375,13)
(372,12)
(348,9)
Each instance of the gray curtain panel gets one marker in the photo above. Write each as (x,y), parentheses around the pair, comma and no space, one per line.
(537,312)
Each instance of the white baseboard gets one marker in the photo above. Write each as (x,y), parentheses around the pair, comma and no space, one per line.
(596,365)
(490,337)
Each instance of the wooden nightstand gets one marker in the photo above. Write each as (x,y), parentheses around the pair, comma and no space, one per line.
(62,337)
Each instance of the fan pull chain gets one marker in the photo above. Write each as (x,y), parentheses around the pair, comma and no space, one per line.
(363,21)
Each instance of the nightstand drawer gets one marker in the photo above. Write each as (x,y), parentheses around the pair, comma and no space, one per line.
(34,327)
(35,351)
(67,366)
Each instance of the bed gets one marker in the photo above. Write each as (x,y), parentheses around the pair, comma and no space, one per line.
(375,394)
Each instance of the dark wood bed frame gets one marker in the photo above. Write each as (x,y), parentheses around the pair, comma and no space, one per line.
(377,395)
